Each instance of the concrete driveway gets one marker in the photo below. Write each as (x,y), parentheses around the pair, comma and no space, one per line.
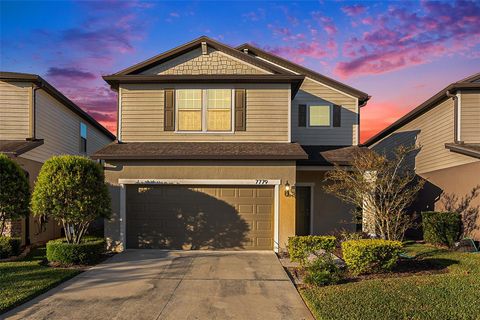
(155,284)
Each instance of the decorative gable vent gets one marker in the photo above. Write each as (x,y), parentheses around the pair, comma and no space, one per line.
(204,48)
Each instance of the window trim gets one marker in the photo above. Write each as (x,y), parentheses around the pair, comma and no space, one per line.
(204,111)
(314,104)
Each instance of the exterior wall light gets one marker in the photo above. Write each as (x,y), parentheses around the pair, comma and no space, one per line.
(289,190)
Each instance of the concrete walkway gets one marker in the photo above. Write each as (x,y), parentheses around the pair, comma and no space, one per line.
(154,284)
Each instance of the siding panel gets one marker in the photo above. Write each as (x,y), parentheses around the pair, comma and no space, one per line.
(14,110)
(266,115)
(470,116)
(430,132)
(314,92)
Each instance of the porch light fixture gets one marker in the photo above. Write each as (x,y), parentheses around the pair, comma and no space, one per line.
(289,190)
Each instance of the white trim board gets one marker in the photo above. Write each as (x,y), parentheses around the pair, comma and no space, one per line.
(123,198)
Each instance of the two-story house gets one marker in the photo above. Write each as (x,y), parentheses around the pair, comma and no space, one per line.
(446,129)
(226,148)
(36,123)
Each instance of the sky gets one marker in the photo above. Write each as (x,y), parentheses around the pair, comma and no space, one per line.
(401,53)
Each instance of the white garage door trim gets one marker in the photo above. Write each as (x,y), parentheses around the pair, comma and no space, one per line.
(250,182)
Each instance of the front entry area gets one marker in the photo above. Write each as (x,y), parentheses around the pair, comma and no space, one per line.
(199,217)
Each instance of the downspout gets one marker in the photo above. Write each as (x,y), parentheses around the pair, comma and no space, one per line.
(456,116)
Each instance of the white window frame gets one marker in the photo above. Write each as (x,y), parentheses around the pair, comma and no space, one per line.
(204,112)
(314,104)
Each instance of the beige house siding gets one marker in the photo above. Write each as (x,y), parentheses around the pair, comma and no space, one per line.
(313,92)
(430,131)
(202,170)
(15,106)
(267,114)
(60,129)
(195,63)
(470,116)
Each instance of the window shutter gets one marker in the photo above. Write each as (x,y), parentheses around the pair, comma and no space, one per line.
(240,110)
(302,115)
(169,110)
(337,115)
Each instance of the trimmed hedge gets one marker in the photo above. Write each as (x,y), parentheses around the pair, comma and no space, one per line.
(370,255)
(299,247)
(89,251)
(9,246)
(441,227)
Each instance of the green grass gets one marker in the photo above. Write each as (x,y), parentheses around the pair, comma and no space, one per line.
(451,295)
(22,280)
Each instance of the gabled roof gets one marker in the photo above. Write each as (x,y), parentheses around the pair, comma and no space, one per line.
(43,84)
(469,83)
(175,52)
(362,96)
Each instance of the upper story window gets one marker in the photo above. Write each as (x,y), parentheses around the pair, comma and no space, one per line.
(319,116)
(203,110)
(83,137)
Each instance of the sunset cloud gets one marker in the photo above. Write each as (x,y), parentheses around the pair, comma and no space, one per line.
(70,73)
(354,9)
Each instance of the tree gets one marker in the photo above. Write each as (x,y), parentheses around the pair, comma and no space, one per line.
(72,190)
(14,192)
(381,187)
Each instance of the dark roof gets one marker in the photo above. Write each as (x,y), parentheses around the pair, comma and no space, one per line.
(43,84)
(469,83)
(175,52)
(294,80)
(329,155)
(201,151)
(362,96)
(468,149)
(15,148)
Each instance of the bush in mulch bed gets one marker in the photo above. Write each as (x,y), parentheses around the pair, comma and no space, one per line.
(89,251)
(299,247)
(441,228)
(9,246)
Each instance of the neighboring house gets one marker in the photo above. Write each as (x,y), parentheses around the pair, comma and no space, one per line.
(446,128)
(36,123)
(226,148)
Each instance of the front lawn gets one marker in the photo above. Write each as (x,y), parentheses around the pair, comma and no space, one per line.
(22,280)
(453,294)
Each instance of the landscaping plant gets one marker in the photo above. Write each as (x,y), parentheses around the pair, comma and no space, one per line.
(88,252)
(370,255)
(441,228)
(299,247)
(71,189)
(381,187)
(9,246)
(14,192)
(322,271)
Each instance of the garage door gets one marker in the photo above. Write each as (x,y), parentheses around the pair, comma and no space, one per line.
(206,217)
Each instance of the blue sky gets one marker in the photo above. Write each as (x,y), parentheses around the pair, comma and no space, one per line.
(401,53)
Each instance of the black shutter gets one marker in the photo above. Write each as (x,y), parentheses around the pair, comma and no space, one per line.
(302,115)
(169,110)
(337,115)
(240,110)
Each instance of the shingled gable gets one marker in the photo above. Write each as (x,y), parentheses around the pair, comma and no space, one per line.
(273,59)
(197,43)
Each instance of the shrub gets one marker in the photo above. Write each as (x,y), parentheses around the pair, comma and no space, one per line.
(14,192)
(71,189)
(299,247)
(88,251)
(371,255)
(441,227)
(9,246)
(322,271)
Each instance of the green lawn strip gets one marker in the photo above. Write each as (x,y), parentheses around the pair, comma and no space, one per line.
(452,295)
(23,280)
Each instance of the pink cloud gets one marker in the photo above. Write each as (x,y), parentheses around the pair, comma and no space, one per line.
(401,38)
(70,73)
(354,9)
(326,22)
(299,52)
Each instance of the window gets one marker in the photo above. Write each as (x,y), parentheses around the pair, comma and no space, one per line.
(204,110)
(189,106)
(319,116)
(83,137)
(219,110)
